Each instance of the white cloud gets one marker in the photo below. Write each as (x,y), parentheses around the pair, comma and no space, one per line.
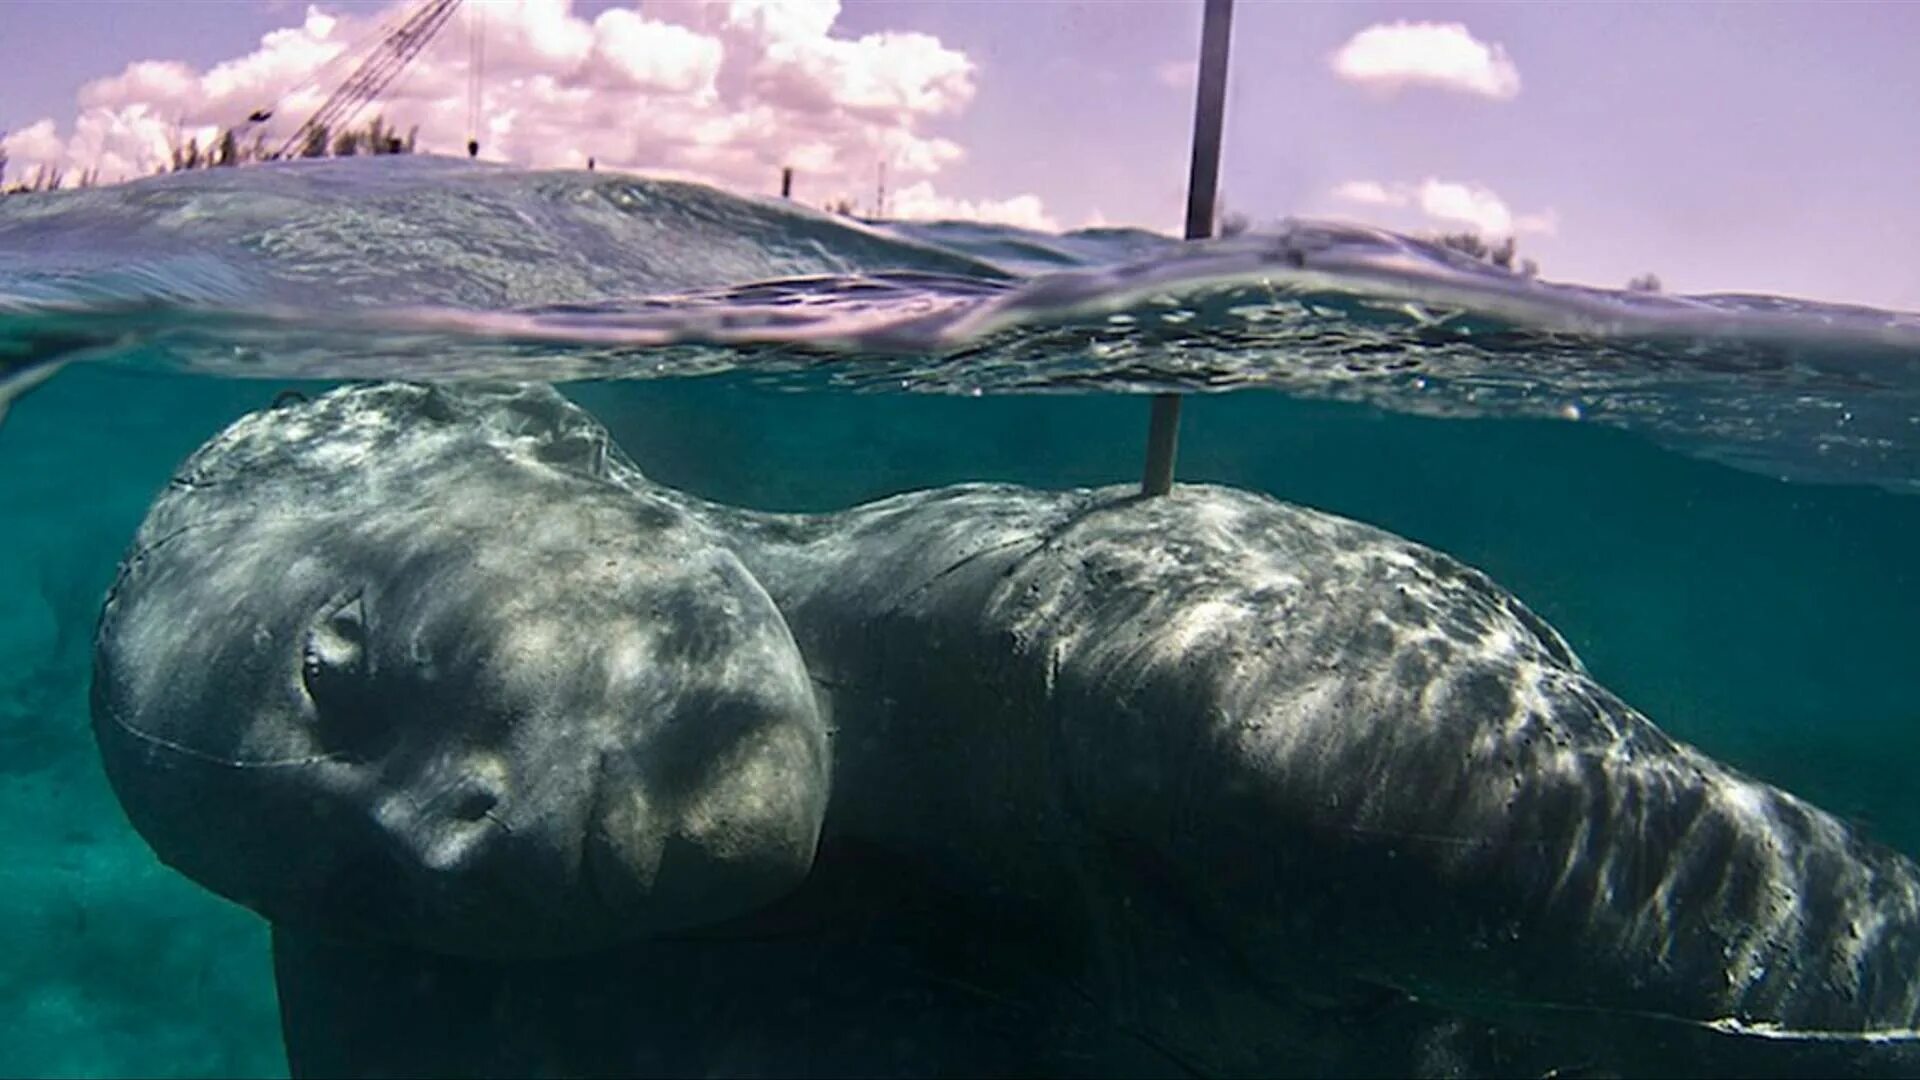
(1544,223)
(37,142)
(876,75)
(725,90)
(1370,192)
(1389,56)
(1465,204)
(1453,203)
(784,20)
(1177,74)
(919,202)
(633,53)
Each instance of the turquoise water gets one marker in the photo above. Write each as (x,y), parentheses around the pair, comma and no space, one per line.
(1771,622)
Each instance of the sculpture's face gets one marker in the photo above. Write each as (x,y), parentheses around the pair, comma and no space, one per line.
(496,718)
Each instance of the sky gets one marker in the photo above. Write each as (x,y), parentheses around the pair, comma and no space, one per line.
(1763,147)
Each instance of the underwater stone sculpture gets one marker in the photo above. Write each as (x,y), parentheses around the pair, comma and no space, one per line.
(527,759)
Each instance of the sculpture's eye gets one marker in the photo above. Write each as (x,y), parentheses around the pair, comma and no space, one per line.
(335,669)
(337,644)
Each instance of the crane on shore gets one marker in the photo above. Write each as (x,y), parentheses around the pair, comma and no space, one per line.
(390,56)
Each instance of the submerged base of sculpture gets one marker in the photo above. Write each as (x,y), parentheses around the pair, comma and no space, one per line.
(870,969)
(539,767)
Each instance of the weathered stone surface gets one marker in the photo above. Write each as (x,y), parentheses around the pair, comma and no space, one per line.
(1204,783)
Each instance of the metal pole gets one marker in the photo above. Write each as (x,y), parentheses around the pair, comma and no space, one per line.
(1203,184)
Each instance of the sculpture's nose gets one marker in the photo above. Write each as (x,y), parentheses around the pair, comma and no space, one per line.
(450,825)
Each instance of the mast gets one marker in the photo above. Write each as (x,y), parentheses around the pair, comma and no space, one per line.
(1203,184)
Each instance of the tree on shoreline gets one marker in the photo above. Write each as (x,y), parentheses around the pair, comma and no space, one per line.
(1501,255)
(374,138)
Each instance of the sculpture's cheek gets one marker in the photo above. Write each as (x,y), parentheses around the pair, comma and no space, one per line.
(762,811)
(677,841)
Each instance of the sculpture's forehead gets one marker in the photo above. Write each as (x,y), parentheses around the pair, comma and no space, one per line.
(372,445)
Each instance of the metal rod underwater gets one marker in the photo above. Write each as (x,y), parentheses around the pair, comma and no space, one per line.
(1203,184)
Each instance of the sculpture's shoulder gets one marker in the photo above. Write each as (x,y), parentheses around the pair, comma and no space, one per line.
(1209,575)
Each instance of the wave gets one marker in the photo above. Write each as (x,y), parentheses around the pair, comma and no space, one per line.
(435,269)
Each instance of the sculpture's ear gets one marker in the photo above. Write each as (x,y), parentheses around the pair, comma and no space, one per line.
(336,667)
